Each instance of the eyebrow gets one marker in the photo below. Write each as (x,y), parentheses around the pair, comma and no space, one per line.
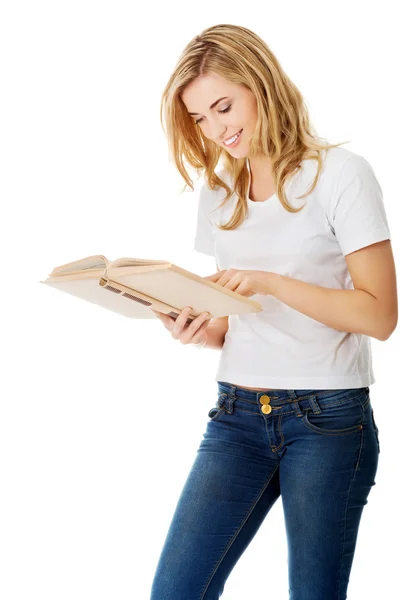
(212,105)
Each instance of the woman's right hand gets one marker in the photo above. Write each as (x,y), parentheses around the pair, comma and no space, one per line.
(192,333)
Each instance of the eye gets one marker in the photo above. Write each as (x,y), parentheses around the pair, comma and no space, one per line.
(225,110)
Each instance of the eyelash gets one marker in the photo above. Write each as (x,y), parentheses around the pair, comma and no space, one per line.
(227,109)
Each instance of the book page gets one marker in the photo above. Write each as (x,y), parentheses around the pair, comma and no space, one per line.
(98,261)
(135,262)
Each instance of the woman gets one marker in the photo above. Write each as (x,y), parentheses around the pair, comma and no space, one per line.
(293,416)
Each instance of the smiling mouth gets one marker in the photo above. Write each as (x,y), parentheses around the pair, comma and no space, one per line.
(236,136)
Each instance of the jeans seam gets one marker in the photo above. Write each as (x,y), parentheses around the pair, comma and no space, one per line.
(238,531)
(280,433)
(347,505)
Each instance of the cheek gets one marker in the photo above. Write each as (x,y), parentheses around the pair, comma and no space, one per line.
(247,119)
(253,116)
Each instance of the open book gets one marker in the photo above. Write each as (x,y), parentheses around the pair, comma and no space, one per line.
(134,286)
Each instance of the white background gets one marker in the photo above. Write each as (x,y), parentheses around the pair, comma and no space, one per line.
(94,447)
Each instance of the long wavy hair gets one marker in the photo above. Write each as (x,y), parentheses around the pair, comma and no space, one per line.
(283,131)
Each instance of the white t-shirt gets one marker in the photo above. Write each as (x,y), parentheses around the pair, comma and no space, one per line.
(281,348)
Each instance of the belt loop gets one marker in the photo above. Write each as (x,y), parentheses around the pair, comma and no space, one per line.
(293,396)
(221,400)
(299,412)
(231,399)
(314,405)
(313,402)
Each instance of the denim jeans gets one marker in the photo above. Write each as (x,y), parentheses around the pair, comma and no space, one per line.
(318,449)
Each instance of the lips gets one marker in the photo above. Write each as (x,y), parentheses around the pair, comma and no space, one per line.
(231,136)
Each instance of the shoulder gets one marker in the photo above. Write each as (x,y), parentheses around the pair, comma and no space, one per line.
(206,191)
(343,172)
(354,197)
(342,165)
(209,198)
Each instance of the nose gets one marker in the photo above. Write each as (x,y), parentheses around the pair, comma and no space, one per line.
(217,133)
(220,137)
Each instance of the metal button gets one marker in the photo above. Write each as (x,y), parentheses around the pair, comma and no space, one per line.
(266,409)
(264,399)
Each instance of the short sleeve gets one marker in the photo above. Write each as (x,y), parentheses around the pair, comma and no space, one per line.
(204,236)
(357,213)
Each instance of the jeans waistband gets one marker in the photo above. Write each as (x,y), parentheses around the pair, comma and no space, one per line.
(278,394)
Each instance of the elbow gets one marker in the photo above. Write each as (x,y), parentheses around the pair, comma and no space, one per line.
(389,328)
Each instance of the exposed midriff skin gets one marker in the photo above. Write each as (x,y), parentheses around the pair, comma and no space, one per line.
(256,389)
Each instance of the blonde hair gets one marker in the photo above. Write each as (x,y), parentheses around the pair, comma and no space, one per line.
(283,131)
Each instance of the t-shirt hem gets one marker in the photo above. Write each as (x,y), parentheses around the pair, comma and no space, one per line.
(297,383)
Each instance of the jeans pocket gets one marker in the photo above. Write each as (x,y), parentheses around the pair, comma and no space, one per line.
(338,419)
(376,429)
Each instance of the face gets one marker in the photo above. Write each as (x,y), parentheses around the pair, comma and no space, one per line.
(237,112)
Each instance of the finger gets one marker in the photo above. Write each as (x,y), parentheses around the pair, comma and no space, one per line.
(214,276)
(180,322)
(200,320)
(193,337)
(167,321)
(160,315)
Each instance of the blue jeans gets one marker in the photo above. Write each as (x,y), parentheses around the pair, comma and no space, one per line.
(319,449)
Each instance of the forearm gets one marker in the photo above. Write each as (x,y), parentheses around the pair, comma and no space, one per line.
(353,311)
(215,336)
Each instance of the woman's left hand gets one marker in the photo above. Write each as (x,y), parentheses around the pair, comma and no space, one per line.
(245,282)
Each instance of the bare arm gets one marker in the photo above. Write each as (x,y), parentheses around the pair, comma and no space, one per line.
(216,331)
